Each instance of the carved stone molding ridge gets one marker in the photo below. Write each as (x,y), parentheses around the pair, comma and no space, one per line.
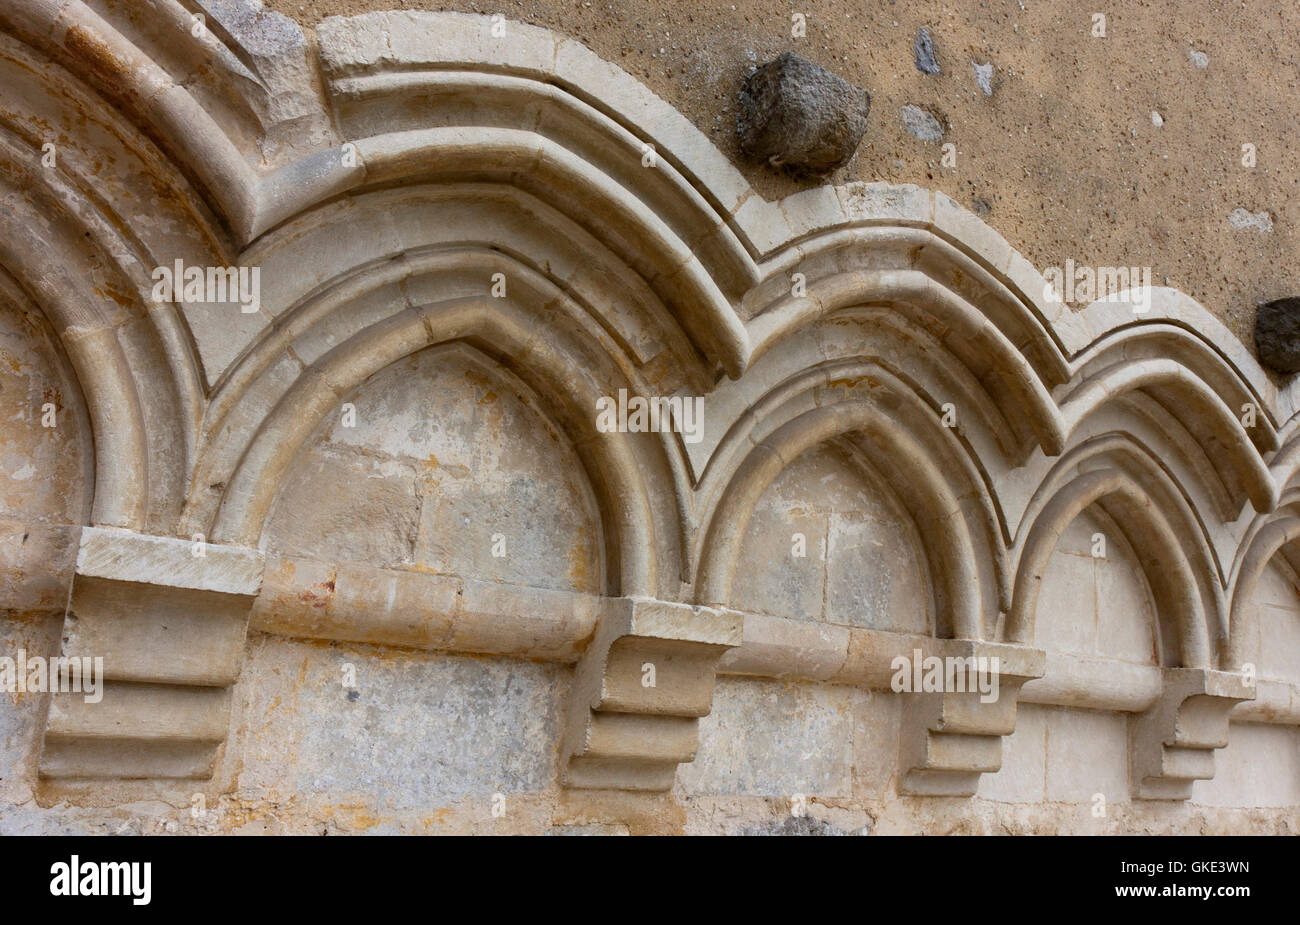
(168,617)
(639,691)
(949,738)
(1171,745)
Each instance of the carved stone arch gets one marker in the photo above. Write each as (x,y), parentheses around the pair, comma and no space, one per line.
(133,363)
(853,377)
(1170,575)
(563,267)
(108,61)
(1269,535)
(964,331)
(1191,402)
(1155,340)
(69,399)
(1149,467)
(111,208)
(614,465)
(381,177)
(926,493)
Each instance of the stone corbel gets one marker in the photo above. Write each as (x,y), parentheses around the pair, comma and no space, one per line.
(949,738)
(1171,745)
(168,618)
(639,691)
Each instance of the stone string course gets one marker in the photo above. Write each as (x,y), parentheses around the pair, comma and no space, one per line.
(300,618)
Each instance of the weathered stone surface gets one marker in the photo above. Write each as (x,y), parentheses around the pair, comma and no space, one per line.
(798,825)
(460,471)
(1277,334)
(923,51)
(922,123)
(480,612)
(121,555)
(796,114)
(826,543)
(776,739)
(1246,220)
(411,733)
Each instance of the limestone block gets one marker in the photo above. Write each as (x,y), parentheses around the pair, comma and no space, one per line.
(774,647)
(639,691)
(168,619)
(1087,754)
(781,739)
(880,202)
(394,730)
(1172,744)
(354,602)
(950,737)
(1022,777)
(36,563)
(1260,767)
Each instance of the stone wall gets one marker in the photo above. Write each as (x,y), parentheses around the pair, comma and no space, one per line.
(362,559)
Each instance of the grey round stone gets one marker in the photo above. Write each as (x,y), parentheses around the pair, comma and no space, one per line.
(796,114)
(1277,334)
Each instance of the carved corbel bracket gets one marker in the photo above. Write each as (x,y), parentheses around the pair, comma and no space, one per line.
(949,737)
(168,618)
(639,691)
(1172,744)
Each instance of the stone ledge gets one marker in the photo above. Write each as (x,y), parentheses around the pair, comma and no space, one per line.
(949,738)
(350,602)
(123,555)
(169,626)
(639,690)
(1172,745)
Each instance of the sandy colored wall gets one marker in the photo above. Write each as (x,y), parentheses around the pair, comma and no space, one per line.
(1063,158)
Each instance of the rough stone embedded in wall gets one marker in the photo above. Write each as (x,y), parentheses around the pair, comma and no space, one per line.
(1245,220)
(796,114)
(1277,334)
(922,124)
(923,49)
